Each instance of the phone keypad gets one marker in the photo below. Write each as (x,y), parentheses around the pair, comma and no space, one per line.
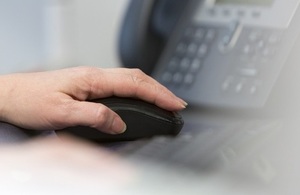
(248,69)
(255,60)
(188,56)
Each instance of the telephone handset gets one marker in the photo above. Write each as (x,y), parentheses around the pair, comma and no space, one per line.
(221,53)
(145,30)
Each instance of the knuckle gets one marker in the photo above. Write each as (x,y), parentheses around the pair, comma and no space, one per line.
(136,80)
(137,76)
(86,71)
(88,78)
(138,72)
(83,72)
(102,117)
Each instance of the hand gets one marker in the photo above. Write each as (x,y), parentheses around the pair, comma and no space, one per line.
(57,99)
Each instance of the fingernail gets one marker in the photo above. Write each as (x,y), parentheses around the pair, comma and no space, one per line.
(118,126)
(183,103)
(124,128)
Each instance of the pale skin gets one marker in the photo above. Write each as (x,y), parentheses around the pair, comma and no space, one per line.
(57,99)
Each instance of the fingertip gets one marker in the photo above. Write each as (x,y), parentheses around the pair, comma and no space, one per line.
(183,103)
(172,103)
(118,126)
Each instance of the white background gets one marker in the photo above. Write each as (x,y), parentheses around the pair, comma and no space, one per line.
(52,34)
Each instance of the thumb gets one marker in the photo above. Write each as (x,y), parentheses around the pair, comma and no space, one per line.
(97,116)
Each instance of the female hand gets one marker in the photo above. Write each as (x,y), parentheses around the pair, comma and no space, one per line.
(57,99)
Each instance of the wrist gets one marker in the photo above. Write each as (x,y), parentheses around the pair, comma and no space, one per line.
(5,96)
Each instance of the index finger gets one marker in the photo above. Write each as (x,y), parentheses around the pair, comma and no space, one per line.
(132,83)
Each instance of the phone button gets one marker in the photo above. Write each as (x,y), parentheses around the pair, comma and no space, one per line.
(253,89)
(227,83)
(203,49)
(210,35)
(274,38)
(254,36)
(177,78)
(196,65)
(239,87)
(249,72)
(192,49)
(199,34)
(185,64)
(189,79)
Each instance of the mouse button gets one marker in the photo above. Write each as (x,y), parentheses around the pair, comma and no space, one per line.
(153,110)
(116,103)
(136,105)
(142,125)
(150,113)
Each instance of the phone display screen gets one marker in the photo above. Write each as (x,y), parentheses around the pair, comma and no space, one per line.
(246,2)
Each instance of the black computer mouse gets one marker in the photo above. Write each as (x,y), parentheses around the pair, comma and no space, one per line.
(143,120)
